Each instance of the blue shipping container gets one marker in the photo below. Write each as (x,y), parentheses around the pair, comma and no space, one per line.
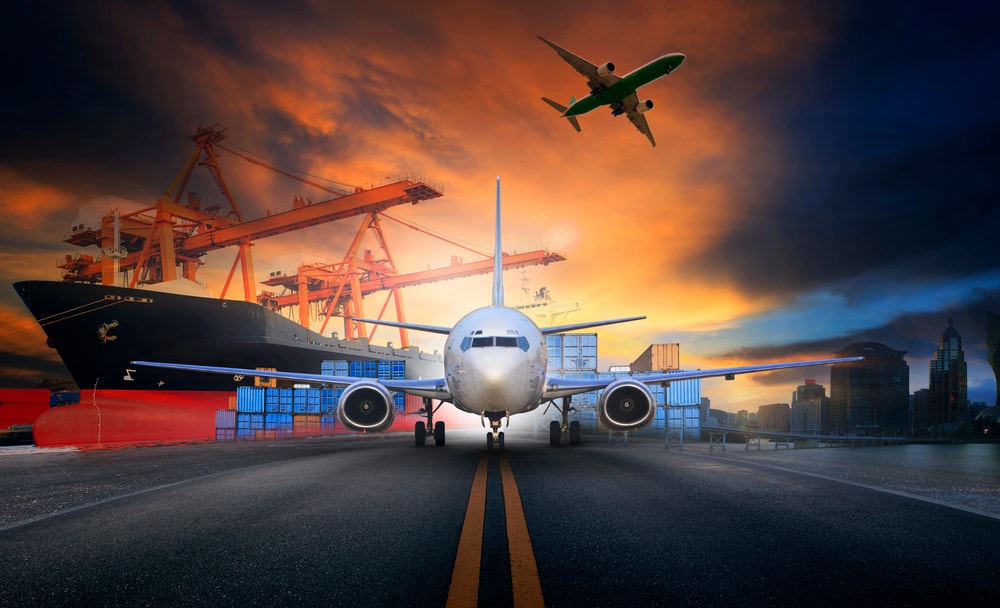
(225,419)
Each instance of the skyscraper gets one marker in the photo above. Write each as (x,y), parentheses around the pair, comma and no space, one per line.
(948,395)
(810,411)
(773,417)
(870,396)
(993,348)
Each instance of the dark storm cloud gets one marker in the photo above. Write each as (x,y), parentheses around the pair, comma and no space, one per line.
(893,159)
(931,211)
(15,238)
(20,371)
(70,115)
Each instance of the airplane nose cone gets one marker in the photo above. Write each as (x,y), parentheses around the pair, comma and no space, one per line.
(493,379)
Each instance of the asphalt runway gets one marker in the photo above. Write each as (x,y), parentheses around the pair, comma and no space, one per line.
(379,522)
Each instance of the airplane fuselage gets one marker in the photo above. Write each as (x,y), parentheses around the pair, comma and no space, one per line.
(661,66)
(495,362)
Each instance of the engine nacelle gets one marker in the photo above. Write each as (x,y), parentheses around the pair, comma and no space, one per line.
(626,405)
(605,69)
(644,106)
(366,405)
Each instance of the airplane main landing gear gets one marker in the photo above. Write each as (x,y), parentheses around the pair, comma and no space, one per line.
(495,436)
(567,427)
(420,429)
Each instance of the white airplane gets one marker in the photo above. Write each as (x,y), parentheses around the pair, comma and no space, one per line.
(495,366)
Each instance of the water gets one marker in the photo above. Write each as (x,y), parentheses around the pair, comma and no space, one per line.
(964,476)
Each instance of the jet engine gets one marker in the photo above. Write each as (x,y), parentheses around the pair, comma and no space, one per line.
(605,69)
(644,106)
(366,406)
(626,405)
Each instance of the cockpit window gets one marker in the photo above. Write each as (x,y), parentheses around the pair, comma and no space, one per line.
(499,341)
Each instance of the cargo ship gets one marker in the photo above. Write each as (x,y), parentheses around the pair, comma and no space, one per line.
(97,330)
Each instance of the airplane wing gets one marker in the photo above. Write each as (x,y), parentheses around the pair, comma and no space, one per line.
(595,81)
(637,119)
(555,329)
(558,329)
(434,329)
(435,388)
(562,387)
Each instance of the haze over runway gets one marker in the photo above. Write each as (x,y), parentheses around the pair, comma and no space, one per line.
(824,173)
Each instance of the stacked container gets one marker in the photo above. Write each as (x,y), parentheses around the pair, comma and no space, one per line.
(272,412)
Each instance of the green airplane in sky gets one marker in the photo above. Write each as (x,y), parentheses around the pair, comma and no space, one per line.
(609,89)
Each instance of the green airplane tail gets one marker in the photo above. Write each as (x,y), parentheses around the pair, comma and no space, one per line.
(562,110)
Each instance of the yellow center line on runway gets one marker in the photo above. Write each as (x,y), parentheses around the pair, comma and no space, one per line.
(526,586)
(523,569)
(464,587)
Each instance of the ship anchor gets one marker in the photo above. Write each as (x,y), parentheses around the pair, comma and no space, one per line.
(103,329)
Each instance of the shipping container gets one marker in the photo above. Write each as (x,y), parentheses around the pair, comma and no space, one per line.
(658,358)
(225,419)
(328,401)
(572,353)
(334,368)
(250,399)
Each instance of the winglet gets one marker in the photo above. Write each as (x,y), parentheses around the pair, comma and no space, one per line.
(497,258)
(562,110)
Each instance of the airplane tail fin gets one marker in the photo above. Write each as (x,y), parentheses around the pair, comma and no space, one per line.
(497,257)
(562,110)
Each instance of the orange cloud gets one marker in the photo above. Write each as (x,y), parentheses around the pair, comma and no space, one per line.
(28,204)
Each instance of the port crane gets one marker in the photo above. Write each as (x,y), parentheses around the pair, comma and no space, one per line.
(168,240)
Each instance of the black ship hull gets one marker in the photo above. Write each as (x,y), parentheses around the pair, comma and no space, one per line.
(98,330)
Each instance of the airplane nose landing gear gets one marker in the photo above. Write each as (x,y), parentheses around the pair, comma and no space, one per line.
(495,436)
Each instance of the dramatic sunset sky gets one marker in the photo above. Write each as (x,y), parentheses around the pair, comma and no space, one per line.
(826,172)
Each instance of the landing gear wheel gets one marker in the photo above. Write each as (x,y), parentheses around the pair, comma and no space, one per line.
(500,441)
(420,433)
(574,432)
(439,433)
(555,432)
(489,441)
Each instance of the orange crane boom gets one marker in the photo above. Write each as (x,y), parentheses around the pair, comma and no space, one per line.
(152,242)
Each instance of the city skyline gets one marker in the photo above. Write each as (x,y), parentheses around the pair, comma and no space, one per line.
(824,175)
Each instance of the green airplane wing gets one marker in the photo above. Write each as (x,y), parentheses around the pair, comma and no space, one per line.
(631,104)
(594,80)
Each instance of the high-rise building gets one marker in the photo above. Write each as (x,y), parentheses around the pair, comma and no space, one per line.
(810,411)
(773,417)
(993,348)
(918,412)
(948,394)
(870,396)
